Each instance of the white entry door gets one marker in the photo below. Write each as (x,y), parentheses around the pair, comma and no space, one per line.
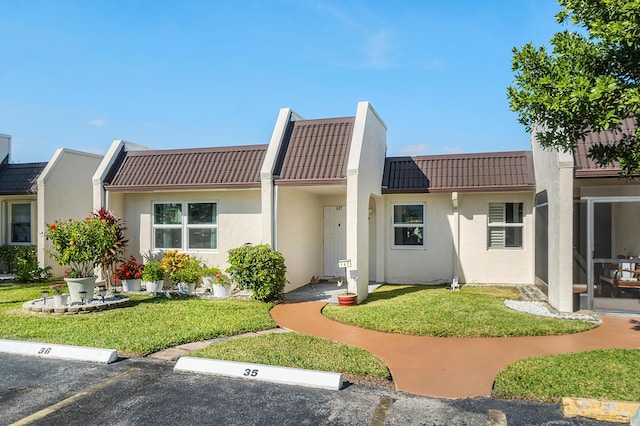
(335,239)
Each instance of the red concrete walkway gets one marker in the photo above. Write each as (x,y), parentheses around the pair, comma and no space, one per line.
(452,367)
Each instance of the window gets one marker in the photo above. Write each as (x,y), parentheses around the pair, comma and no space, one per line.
(408,225)
(195,230)
(505,225)
(21,223)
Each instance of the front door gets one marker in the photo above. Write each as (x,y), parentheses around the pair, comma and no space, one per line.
(335,239)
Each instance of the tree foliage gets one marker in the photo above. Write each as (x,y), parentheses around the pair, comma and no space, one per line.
(589,81)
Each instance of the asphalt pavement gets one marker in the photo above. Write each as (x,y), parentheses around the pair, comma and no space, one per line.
(144,391)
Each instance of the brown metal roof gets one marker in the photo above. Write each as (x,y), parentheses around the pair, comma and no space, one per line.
(496,171)
(20,179)
(316,152)
(198,168)
(586,167)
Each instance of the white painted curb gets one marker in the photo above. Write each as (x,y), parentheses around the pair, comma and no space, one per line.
(268,373)
(51,350)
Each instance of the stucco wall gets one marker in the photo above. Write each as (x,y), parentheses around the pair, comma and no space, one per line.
(364,176)
(238,220)
(478,263)
(434,262)
(65,191)
(554,174)
(300,234)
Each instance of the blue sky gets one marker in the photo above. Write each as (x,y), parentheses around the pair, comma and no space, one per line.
(184,73)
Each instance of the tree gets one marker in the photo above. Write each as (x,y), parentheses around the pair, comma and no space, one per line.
(589,82)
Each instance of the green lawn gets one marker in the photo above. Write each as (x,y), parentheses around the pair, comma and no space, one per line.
(474,311)
(608,374)
(298,351)
(155,323)
(149,325)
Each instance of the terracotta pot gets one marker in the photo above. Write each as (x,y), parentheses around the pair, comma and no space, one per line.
(347,299)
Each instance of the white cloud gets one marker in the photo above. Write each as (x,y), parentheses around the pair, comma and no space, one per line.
(417,149)
(98,122)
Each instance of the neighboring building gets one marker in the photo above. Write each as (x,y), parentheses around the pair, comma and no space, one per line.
(323,191)
(18,198)
(587,222)
(34,194)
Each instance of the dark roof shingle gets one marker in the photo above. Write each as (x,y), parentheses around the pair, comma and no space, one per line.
(198,168)
(499,171)
(316,152)
(586,167)
(20,179)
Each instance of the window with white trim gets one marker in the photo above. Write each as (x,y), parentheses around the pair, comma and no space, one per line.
(185,225)
(505,225)
(408,225)
(20,223)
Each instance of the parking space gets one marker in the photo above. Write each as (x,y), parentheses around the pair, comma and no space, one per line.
(145,391)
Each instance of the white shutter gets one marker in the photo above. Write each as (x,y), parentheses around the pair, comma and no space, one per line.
(497,234)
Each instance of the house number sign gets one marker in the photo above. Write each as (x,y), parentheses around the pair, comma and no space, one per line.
(345,263)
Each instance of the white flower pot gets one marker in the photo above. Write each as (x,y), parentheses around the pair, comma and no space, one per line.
(60,300)
(153,286)
(131,285)
(222,291)
(76,285)
(185,288)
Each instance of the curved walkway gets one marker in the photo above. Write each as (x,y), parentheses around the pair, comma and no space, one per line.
(452,367)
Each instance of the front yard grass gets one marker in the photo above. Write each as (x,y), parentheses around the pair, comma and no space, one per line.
(149,325)
(474,311)
(298,351)
(605,374)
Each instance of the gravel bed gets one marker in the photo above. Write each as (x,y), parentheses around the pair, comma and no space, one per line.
(543,309)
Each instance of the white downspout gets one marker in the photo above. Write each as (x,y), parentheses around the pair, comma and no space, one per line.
(456,240)
(274,237)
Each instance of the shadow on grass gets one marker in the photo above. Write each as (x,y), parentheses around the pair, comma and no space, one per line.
(382,293)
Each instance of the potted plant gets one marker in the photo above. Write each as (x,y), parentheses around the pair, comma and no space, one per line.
(153,276)
(188,276)
(59,298)
(217,281)
(129,273)
(82,246)
(346,298)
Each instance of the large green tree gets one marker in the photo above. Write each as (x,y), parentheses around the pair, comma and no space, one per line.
(588,81)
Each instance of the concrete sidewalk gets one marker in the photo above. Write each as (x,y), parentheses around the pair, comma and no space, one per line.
(452,367)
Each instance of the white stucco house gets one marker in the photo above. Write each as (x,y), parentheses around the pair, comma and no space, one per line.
(587,229)
(34,194)
(323,190)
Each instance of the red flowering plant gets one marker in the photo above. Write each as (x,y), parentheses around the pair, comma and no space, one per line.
(129,270)
(58,288)
(83,245)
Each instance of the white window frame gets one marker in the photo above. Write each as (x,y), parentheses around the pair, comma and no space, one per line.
(10,221)
(184,226)
(395,225)
(504,224)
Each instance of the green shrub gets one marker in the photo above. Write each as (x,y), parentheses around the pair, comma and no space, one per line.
(260,269)
(11,255)
(28,270)
(22,262)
